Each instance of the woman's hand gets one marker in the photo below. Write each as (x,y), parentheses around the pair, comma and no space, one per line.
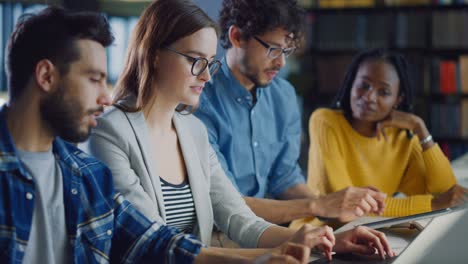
(290,253)
(403,120)
(456,195)
(321,238)
(363,240)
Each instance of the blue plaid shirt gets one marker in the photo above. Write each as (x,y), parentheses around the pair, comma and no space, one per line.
(257,144)
(102,226)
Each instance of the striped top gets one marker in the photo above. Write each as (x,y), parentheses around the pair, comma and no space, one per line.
(179,205)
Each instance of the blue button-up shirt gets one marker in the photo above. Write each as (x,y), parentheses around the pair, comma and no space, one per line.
(257,144)
(102,227)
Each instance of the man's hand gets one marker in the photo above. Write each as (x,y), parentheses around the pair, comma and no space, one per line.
(456,195)
(363,240)
(351,203)
(290,253)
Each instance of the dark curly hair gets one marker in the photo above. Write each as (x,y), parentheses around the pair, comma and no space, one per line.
(342,99)
(255,17)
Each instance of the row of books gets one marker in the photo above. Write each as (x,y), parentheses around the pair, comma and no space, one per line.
(449,29)
(429,76)
(338,31)
(453,150)
(350,31)
(450,76)
(449,120)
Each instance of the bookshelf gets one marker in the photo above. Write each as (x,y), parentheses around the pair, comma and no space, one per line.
(432,36)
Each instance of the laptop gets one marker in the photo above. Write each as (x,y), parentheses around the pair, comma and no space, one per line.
(445,239)
(411,218)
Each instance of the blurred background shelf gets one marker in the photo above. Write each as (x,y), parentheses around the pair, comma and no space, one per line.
(433,36)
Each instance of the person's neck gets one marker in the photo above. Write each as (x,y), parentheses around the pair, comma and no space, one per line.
(364,128)
(234,65)
(159,116)
(28,131)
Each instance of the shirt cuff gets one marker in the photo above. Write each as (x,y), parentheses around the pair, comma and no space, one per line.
(413,204)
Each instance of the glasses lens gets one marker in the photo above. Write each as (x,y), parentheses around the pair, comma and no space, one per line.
(199,66)
(275,52)
(288,51)
(214,67)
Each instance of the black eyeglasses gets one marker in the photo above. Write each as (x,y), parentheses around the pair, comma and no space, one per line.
(199,64)
(275,52)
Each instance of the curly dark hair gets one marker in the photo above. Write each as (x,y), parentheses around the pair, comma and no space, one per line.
(342,99)
(255,17)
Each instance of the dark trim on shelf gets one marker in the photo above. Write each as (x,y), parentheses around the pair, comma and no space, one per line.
(450,139)
(423,51)
(380,9)
(440,96)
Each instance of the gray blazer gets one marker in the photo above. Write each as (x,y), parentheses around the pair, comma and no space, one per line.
(121,141)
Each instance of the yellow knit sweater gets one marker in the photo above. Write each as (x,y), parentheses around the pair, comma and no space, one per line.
(340,157)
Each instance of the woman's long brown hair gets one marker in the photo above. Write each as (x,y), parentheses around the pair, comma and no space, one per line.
(162,23)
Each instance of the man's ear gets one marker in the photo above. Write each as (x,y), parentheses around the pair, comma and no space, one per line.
(45,75)
(235,36)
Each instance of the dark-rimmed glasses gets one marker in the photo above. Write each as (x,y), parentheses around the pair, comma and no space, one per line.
(275,52)
(199,64)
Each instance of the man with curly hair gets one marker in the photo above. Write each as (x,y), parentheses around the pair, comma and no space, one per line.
(253,118)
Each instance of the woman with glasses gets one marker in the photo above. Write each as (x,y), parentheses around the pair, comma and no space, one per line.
(159,153)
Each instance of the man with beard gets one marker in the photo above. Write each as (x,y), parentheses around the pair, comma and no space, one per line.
(253,118)
(57,204)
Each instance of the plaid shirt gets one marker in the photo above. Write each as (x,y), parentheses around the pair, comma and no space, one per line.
(102,226)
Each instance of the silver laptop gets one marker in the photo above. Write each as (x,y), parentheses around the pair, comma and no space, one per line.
(444,240)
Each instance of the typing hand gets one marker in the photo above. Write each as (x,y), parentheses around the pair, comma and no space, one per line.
(363,240)
(351,203)
(290,253)
(321,238)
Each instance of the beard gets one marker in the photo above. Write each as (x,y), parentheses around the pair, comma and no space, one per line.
(63,115)
(253,73)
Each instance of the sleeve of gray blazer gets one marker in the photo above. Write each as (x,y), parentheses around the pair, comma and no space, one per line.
(231,213)
(111,146)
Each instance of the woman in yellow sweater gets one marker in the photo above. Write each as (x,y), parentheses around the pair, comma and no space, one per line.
(371,138)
